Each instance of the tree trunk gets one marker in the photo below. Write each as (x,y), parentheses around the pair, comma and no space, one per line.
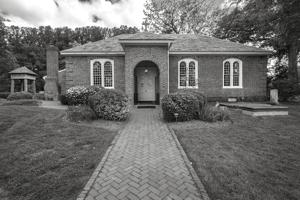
(292,56)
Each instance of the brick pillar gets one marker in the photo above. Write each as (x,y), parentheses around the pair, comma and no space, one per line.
(12,86)
(51,85)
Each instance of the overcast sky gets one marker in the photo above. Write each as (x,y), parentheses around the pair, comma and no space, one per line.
(73,13)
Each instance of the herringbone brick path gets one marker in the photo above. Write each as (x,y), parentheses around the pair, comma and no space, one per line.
(144,164)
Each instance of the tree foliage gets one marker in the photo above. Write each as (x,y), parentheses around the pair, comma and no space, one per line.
(7,59)
(180,16)
(25,46)
(266,23)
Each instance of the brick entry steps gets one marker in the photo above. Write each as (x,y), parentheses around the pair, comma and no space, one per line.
(144,163)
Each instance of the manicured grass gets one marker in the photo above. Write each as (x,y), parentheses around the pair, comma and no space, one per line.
(45,157)
(252,158)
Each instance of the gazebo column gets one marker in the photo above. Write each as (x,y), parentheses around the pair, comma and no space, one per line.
(22,85)
(25,85)
(12,86)
(33,86)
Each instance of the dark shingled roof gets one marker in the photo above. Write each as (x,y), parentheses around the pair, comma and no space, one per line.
(180,43)
(146,36)
(22,70)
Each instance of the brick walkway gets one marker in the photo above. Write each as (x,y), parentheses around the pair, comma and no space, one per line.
(144,163)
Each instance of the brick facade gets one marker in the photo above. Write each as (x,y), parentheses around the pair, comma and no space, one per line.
(210,76)
(135,54)
(210,72)
(78,71)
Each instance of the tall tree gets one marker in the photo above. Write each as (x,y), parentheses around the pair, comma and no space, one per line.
(7,59)
(272,23)
(180,16)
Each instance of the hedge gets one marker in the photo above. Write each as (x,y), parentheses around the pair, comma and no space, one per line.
(19,95)
(4,95)
(286,89)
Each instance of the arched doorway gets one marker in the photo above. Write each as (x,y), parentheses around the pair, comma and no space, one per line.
(146,83)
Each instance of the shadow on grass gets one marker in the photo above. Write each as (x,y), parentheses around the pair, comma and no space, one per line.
(251,158)
(45,157)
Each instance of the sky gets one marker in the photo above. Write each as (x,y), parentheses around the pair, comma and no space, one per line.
(73,13)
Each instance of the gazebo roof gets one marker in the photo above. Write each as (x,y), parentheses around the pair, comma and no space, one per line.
(22,70)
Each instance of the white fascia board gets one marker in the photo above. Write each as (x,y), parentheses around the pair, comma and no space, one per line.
(88,53)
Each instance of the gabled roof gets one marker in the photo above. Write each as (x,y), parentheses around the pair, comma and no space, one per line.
(180,44)
(22,70)
(145,36)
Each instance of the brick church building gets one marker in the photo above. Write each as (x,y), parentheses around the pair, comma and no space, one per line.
(147,66)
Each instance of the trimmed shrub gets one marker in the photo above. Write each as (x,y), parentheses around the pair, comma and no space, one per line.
(202,100)
(79,95)
(110,105)
(213,114)
(80,113)
(184,104)
(286,89)
(4,95)
(19,95)
(40,96)
(21,102)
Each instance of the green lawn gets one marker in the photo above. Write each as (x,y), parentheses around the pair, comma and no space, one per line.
(45,157)
(253,158)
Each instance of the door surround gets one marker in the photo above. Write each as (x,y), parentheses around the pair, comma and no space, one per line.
(146,83)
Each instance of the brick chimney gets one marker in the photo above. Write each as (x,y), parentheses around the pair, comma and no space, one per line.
(51,85)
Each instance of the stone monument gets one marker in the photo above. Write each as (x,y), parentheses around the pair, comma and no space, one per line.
(51,81)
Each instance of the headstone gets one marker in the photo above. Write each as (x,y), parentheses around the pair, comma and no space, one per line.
(274,96)
(232,99)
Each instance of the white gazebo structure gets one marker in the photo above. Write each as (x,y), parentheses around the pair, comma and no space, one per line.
(26,76)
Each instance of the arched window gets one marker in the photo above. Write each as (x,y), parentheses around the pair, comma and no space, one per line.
(108,82)
(232,73)
(182,74)
(187,73)
(97,73)
(102,73)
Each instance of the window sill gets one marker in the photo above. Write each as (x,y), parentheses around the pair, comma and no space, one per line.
(232,87)
(187,87)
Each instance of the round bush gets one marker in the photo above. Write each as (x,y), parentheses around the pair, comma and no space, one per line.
(184,104)
(110,105)
(79,95)
(80,113)
(19,95)
(202,100)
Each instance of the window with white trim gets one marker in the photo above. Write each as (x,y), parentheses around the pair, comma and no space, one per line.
(187,73)
(102,73)
(232,73)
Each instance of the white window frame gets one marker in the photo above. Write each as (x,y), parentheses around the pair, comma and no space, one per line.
(231,61)
(187,62)
(102,61)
